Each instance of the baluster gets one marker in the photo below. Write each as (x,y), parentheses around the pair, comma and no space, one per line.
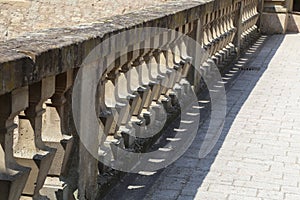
(230,30)
(143,77)
(13,176)
(218,57)
(210,34)
(221,27)
(125,129)
(238,24)
(186,59)
(105,114)
(117,108)
(205,42)
(221,34)
(219,30)
(163,65)
(234,11)
(174,60)
(30,150)
(122,94)
(154,75)
(226,34)
(146,76)
(137,89)
(217,38)
(245,20)
(56,134)
(182,80)
(153,65)
(152,62)
(228,27)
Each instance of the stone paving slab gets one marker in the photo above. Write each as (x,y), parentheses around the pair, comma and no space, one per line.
(257,155)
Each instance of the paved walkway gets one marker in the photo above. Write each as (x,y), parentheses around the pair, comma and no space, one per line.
(257,155)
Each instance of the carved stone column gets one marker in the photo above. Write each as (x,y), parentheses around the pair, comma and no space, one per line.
(12,176)
(30,150)
(238,24)
(56,134)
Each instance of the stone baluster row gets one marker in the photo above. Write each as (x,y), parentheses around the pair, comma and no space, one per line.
(39,148)
(219,31)
(249,20)
(139,84)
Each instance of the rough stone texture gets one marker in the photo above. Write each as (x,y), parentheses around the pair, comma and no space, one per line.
(278,23)
(257,155)
(293,23)
(20,16)
(273,23)
(278,17)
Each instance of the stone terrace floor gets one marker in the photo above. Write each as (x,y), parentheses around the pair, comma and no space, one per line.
(257,155)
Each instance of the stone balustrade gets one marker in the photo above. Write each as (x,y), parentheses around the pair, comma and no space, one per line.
(40,152)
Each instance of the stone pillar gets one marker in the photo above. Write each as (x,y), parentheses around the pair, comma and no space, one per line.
(198,36)
(30,150)
(12,176)
(238,24)
(56,134)
(260,11)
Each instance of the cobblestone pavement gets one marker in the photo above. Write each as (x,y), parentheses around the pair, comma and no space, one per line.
(257,155)
(20,16)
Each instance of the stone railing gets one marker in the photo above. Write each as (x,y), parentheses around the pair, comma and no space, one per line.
(40,152)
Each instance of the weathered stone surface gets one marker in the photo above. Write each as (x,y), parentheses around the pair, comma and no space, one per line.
(272,23)
(293,23)
(37,15)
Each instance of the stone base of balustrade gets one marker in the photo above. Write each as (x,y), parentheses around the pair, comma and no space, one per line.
(293,25)
(63,150)
(39,164)
(273,23)
(13,182)
(54,188)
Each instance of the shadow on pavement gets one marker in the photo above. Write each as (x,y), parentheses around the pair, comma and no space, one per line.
(182,179)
